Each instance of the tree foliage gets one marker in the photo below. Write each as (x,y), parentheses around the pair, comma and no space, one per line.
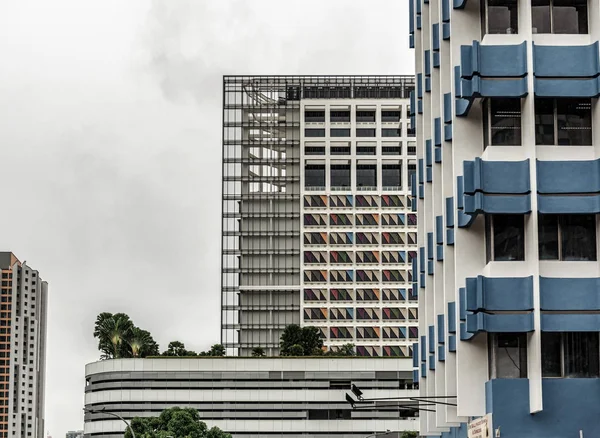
(410,434)
(258,352)
(342,350)
(177,349)
(118,337)
(301,341)
(174,422)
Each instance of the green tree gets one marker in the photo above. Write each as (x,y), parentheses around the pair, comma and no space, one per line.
(111,331)
(258,352)
(410,434)
(217,350)
(309,338)
(174,422)
(141,343)
(175,348)
(343,350)
(296,350)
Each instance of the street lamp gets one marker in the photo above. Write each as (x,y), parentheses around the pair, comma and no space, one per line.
(104,411)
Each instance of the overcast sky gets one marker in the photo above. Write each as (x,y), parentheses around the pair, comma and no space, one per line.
(110,150)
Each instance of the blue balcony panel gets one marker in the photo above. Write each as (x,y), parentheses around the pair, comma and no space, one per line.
(415,356)
(452,343)
(500,177)
(462,303)
(570,322)
(432,362)
(569,293)
(441,353)
(423,370)
(500,323)
(418,19)
(450,212)
(411,16)
(428,153)
(428,83)
(446,31)
(450,236)
(459,4)
(439,253)
(435,34)
(447,132)
(437,155)
(451,317)
(430,246)
(497,61)
(419,85)
(423,348)
(431,339)
(439,229)
(480,87)
(497,204)
(441,334)
(421,191)
(413,185)
(411,41)
(445,11)
(437,130)
(427,60)
(429,174)
(413,103)
(420,106)
(567,87)
(418,6)
(415,376)
(555,177)
(448,108)
(566,61)
(499,294)
(464,334)
(430,267)
(422,259)
(436,59)
(422,281)
(556,204)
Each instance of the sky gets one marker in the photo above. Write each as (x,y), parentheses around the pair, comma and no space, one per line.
(110,150)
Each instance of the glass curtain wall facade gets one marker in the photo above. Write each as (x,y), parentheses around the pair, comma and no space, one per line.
(508,202)
(263,128)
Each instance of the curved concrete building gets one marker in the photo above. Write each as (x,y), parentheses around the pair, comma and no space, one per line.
(252,397)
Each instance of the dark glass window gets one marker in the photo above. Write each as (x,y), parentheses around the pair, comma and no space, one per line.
(505,237)
(365,132)
(569,237)
(366,175)
(340,175)
(339,132)
(365,116)
(339,116)
(314,175)
(503,122)
(312,132)
(390,116)
(574,121)
(391,150)
(544,121)
(340,150)
(365,150)
(314,150)
(559,16)
(391,175)
(508,356)
(571,354)
(314,116)
(390,132)
(502,16)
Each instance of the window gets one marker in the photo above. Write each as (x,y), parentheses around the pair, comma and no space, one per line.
(314,175)
(559,16)
(366,175)
(570,354)
(365,150)
(500,16)
(314,116)
(507,355)
(390,116)
(412,148)
(340,150)
(339,132)
(563,122)
(391,150)
(365,116)
(365,132)
(340,116)
(502,122)
(505,237)
(340,175)
(312,132)
(390,132)
(391,175)
(568,237)
(314,150)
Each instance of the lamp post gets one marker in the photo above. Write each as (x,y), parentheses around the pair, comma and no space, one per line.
(104,411)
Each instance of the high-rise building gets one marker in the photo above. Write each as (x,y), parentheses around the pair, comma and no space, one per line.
(507,122)
(23,307)
(317,221)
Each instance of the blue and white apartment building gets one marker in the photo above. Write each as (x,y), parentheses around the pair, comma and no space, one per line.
(508,129)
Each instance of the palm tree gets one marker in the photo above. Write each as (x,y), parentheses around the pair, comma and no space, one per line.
(138,340)
(111,330)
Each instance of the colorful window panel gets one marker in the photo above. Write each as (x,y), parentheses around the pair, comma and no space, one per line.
(411,238)
(412,220)
(340,257)
(340,220)
(315,313)
(315,294)
(367,351)
(323,332)
(413,314)
(391,201)
(367,238)
(315,276)
(341,314)
(395,351)
(340,201)
(340,295)
(315,220)
(315,238)
(365,276)
(367,294)
(315,201)
(367,220)
(366,257)
(393,257)
(340,333)
(313,257)
(367,313)
(394,313)
(367,201)
(392,239)
(394,294)
(392,220)
(394,333)
(340,238)
(413,332)
(411,255)
(412,295)
(341,276)
(393,276)
(368,333)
